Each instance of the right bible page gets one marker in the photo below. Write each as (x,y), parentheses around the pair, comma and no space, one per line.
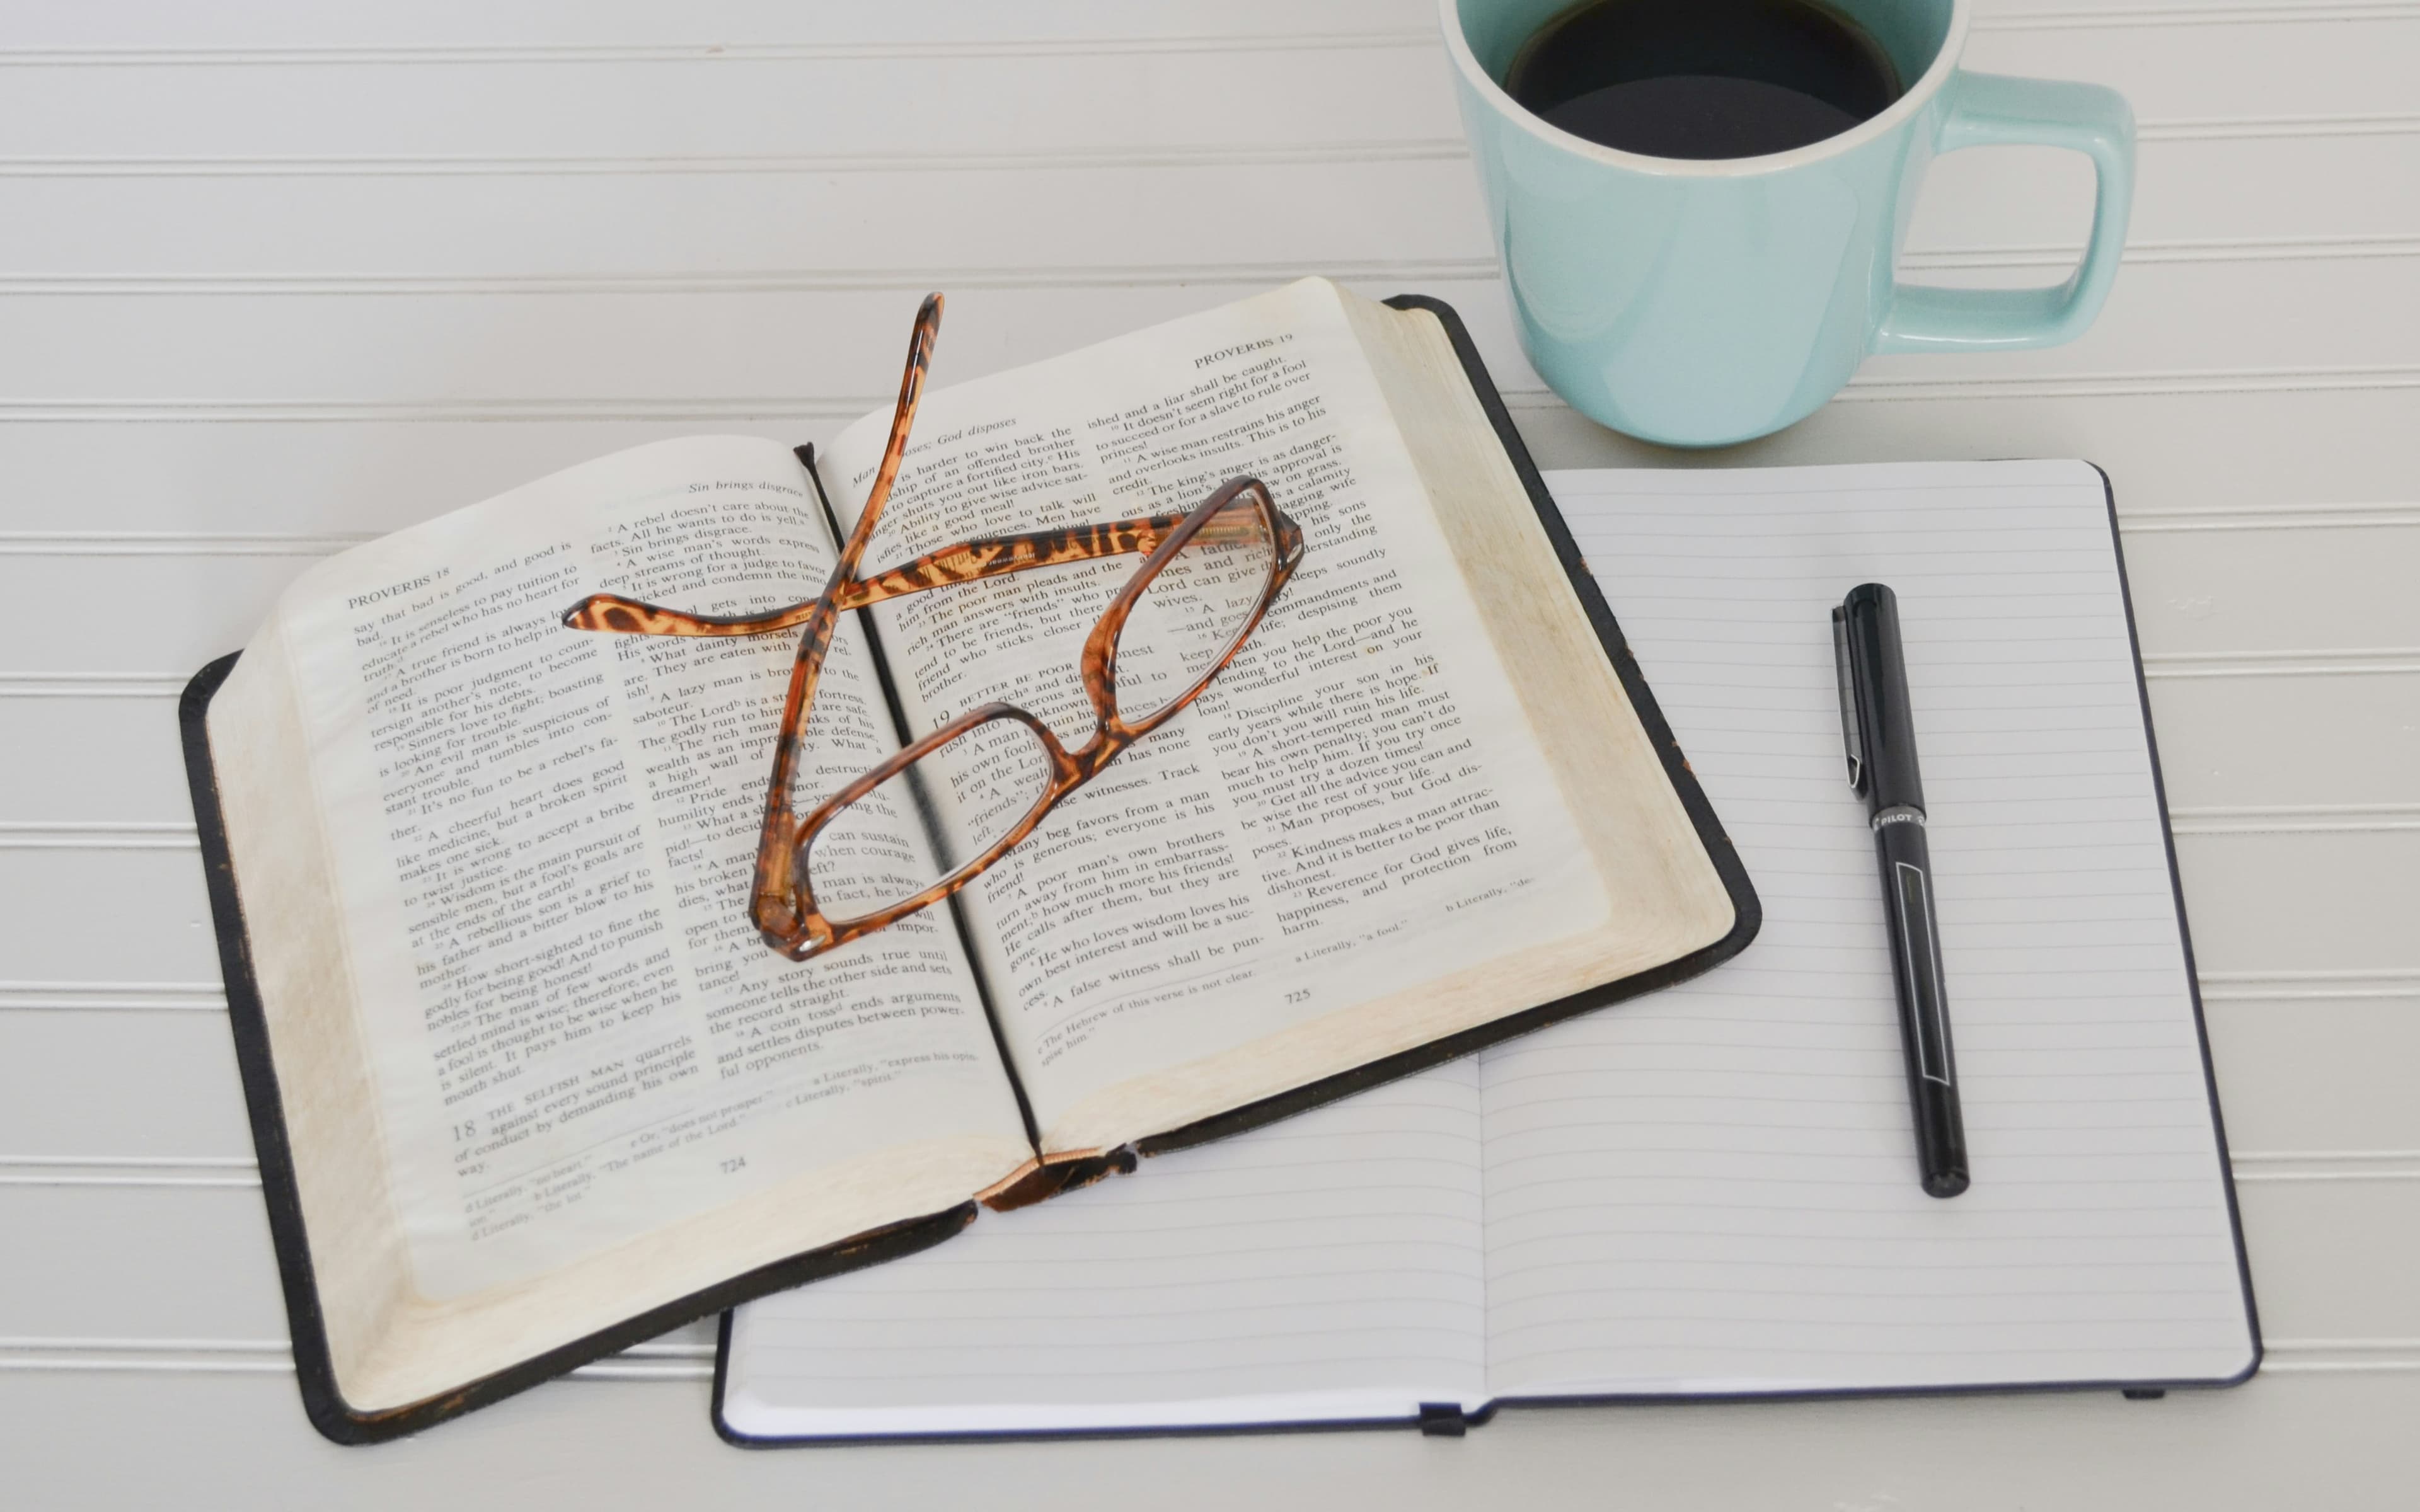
(1713,1189)
(1287,868)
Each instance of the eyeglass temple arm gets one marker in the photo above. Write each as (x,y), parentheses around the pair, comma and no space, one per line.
(985,557)
(774,903)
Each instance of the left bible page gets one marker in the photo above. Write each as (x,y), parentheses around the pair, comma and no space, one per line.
(539,842)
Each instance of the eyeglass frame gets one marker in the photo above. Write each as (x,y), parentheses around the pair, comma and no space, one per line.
(782,901)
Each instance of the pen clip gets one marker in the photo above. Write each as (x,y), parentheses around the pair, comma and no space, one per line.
(1847,676)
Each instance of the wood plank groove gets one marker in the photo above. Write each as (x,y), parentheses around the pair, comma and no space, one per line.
(662,1361)
(778,98)
(97,835)
(112,996)
(255,358)
(2366,378)
(2111,18)
(1290,217)
(174,543)
(2314,985)
(2295,819)
(281,26)
(91,684)
(1175,154)
(2166,453)
(1001,48)
(2114,17)
(129,1171)
(1081,276)
(2327,1165)
(2276,517)
(2351,661)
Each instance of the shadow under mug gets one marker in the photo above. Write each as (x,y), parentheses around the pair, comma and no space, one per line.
(1698,303)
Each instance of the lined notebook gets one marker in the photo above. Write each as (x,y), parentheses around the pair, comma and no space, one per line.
(1711,1191)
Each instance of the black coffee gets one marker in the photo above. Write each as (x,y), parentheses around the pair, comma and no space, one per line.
(1703,78)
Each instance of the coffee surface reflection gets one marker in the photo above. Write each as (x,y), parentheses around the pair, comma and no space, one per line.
(1702,79)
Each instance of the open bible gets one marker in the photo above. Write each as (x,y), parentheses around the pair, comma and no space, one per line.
(526,1086)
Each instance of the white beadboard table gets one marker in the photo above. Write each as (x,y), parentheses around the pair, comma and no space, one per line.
(274,276)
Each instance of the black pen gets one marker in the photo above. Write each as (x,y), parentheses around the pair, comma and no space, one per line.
(1880,728)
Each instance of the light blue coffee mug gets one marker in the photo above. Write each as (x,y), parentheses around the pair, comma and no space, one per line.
(1697,303)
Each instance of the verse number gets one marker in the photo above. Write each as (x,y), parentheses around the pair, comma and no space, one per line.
(467,1129)
(1300,995)
(734,1163)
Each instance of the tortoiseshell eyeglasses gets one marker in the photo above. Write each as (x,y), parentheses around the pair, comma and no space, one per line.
(983,780)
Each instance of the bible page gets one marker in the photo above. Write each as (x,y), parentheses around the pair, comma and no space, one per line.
(1714,1188)
(1287,862)
(542,842)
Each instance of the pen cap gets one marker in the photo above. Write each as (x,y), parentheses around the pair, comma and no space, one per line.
(1885,723)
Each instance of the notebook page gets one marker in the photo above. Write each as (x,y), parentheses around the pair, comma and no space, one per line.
(1714,1188)
(1325,1269)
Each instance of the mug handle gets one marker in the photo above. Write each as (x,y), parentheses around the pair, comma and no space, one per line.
(1995,110)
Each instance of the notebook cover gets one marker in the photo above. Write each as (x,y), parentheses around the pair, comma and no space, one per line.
(315,1371)
(1749,916)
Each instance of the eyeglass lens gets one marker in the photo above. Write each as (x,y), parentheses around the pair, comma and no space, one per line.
(928,820)
(1187,619)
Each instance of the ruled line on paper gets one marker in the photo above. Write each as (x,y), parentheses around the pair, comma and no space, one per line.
(1339,1254)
